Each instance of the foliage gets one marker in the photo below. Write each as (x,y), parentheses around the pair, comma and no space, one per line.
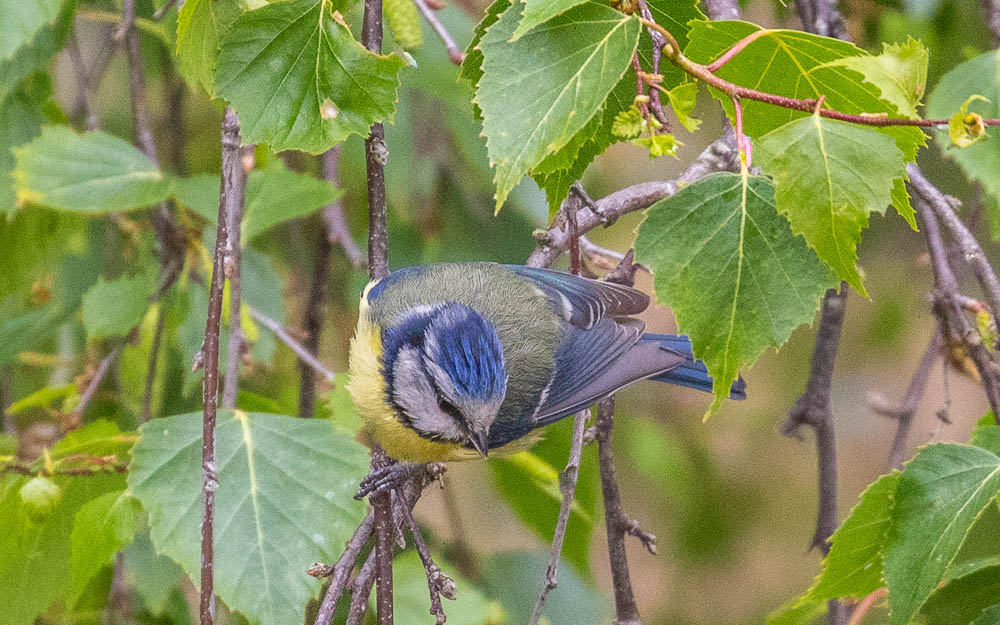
(108,256)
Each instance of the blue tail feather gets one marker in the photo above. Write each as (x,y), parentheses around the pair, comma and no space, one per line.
(692,373)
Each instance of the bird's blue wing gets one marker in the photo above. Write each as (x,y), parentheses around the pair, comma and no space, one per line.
(581,301)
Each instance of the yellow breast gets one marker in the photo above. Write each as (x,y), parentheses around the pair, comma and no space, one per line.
(367,388)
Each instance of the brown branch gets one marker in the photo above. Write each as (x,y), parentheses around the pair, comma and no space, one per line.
(286,338)
(361,589)
(658,42)
(991,13)
(567,486)
(162,12)
(233,265)
(333,213)
(455,53)
(719,156)
(73,419)
(904,412)
(438,582)
(168,234)
(813,409)
(821,17)
(948,308)
(312,321)
(944,208)
(866,604)
(229,188)
(615,521)
(341,571)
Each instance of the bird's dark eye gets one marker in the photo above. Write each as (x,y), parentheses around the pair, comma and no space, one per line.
(449,408)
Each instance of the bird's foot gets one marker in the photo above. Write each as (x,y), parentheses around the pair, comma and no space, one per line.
(395,475)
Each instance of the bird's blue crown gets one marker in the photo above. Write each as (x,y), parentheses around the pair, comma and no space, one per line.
(460,341)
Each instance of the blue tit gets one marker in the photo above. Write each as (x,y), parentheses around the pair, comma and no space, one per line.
(460,360)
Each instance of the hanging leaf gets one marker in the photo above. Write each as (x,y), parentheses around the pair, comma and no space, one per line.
(278,65)
(900,73)
(736,277)
(20,21)
(101,528)
(829,176)
(285,500)
(114,308)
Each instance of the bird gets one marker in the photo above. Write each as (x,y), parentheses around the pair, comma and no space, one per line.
(455,361)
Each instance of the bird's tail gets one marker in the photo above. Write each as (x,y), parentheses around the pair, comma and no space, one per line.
(692,373)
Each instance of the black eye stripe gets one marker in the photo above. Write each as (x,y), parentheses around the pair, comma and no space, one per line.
(447,407)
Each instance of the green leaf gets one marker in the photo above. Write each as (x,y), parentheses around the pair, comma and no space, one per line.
(683,98)
(659,145)
(472,66)
(20,21)
(20,122)
(797,613)
(853,568)
(537,12)
(200,26)
(529,114)
(285,500)
(628,124)
(153,576)
(42,398)
(35,557)
(900,73)
(280,64)
(980,75)
(412,602)
(273,195)
(736,277)
(964,598)
(989,616)
(511,578)
(941,493)
(114,308)
(829,176)
(91,173)
(794,64)
(97,438)
(36,55)
(101,528)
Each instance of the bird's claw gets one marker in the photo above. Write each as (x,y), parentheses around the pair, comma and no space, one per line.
(393,476)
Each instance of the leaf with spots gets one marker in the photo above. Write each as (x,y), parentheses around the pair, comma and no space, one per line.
(299,80)
(285,500)
(738,280)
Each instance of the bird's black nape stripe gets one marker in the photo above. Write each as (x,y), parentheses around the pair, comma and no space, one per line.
(410,331)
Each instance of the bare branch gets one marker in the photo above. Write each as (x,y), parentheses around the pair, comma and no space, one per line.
(567,486)
(991,13)
(454,52)
(438,583)
(719,156)
(813,409)
(361,589)
(312,321)
(286,338)
(821,17)
(341,571)
(73,419)
(903,413)
(162,11)
(333,214)
(233,265)
(944,208)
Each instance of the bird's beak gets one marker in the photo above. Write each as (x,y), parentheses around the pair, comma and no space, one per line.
(480,440)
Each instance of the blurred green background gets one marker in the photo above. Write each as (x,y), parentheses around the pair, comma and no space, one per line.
(732,501)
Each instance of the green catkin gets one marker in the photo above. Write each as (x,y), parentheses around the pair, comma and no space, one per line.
(404,20)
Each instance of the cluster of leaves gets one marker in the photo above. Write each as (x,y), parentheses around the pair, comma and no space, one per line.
(914,532)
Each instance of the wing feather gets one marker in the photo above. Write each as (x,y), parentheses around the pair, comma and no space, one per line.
(581,301)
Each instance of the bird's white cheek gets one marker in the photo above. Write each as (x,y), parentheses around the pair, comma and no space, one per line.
(412,391)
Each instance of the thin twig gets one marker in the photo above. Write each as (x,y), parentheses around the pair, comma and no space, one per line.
(286,338)
(567,486)
(972,252)
(455,53)
(948,308)
(821,17)
(233,266)
(719,156)
(866,604)
(333,213)
(904,412)
(88,394)
(626,610)
(361,589)
(169,235)
(438,583)
(813,409)
(341,571)
(658,42)
(162,12)
(230,141)
(312,321)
